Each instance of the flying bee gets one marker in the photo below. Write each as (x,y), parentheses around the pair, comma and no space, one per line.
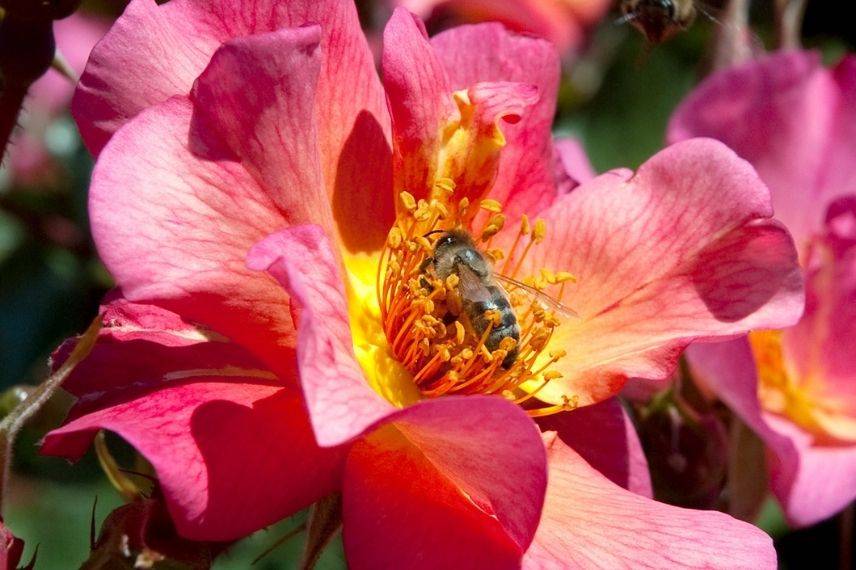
(480,291)
(659,20)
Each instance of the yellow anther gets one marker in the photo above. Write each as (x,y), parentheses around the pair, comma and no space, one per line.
(491,205)
(423,242)
(507,344)
(495,254)
(446,185)
(525,227)
(423,211)
(395,237)
(452,282)
(498,220)
(485,353)
(563,276)
(408,201)
(539,340)
(489,231)
(444,353)
(539,231)
(547,276)
(459,333)
(518,298)
(552,375)
(430,320)
(493,316)
(440,208)
(557,354)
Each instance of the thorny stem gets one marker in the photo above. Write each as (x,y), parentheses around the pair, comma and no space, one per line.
(279,542)
(325,520)
(11,101)
(789,17)
(747,478)
(12,423)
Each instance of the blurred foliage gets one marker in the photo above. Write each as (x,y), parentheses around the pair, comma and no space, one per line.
(617,98)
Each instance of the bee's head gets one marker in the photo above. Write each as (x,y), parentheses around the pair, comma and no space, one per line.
(450,239)
(651,7)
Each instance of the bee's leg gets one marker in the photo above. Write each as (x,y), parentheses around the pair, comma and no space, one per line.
(423,270)
(423,267)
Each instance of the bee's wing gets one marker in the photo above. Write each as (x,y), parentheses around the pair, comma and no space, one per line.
(514,285)
(471,286)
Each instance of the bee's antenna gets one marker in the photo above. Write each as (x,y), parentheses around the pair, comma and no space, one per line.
(432,232)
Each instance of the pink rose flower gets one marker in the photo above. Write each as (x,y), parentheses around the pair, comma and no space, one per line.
(29,154)
(264,200)
(795,121)
(563,22)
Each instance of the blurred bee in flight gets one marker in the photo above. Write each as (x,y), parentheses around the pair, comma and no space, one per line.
(659,20)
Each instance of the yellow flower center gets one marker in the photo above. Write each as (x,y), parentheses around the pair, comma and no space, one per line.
(782,391)
(441,336)
(426,325)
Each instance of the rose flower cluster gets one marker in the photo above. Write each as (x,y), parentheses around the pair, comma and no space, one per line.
(379,278)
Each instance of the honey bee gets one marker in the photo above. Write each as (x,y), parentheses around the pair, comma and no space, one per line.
(481,291)
(659,20)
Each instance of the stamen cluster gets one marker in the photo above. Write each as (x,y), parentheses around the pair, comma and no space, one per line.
(424,319)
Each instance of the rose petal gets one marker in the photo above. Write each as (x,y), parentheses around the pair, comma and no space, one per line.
(571,164)
(441,470)
(420,101)
(256,96)
(824,482)
(162,49)
(269,123)
(166,225)
(604,435)
(792,119)
(490,53)
(686,252)
(141,345)
(560,22)
(232,455)
(589,522)
(474,152)
(822,345)
(812,482)
(340,402)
